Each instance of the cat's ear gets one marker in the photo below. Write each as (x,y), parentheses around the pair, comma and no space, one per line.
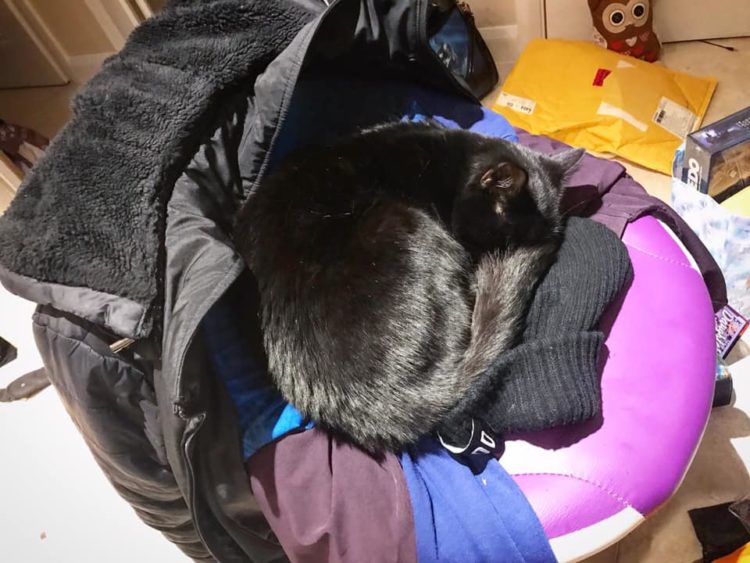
(568,159)
(504,175)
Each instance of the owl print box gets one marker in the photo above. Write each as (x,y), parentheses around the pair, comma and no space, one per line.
(626,27)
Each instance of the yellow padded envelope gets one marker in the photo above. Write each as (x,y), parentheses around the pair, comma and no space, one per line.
(590,97)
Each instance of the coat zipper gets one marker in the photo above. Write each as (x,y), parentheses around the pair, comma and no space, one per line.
(121,345)
(183,410)
(188,449)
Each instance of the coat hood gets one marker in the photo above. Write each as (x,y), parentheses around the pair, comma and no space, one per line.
(85,232)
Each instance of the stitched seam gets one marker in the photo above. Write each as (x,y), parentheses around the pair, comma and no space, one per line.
(668,260)
(614,495)
(298,62)
(185,341)
(81,344)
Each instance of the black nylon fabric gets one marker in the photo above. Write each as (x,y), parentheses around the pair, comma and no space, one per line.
(121,428)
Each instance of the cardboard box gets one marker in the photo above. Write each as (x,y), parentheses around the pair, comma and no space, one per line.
(729,325)
(717,157)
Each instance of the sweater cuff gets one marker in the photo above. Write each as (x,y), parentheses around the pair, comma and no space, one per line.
(546,383)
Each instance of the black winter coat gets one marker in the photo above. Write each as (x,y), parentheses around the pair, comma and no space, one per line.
(123,236)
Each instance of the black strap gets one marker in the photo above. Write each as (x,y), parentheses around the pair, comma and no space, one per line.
(25,386)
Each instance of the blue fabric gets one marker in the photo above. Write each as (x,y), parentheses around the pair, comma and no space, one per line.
(263,414)
(463,516)
(490,124)
(317,115)
(458,515)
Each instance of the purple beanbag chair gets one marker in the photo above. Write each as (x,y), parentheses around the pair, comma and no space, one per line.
(593,483)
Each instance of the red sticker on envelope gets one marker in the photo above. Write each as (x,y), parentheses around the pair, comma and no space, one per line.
(601,74)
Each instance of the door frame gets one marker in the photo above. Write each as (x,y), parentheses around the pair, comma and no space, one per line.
(53,61)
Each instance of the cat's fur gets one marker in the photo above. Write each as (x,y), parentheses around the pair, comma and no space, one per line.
(370,256)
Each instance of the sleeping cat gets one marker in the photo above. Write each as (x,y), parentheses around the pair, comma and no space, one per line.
(393,266)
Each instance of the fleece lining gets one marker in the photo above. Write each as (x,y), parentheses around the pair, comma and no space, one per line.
(91,214)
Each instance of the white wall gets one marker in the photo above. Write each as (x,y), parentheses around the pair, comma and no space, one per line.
(490,13)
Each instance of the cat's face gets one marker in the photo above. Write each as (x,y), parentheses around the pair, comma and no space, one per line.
(511,197)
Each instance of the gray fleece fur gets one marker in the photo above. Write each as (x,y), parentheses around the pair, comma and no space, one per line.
(91,214)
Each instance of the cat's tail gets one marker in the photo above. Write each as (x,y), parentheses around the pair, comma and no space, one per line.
(505,285)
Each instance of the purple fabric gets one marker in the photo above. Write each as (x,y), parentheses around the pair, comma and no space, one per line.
(657,386)
(327,501)
(462,514)
(331,502)
(602,190)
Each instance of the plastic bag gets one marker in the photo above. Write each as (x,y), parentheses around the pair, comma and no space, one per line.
(726,236)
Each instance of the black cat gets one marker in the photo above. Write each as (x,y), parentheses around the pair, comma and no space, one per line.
(393,267)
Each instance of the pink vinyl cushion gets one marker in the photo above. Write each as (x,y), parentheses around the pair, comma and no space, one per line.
(657,388)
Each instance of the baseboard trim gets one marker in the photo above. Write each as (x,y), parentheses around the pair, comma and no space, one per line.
(502,41)
(499,32)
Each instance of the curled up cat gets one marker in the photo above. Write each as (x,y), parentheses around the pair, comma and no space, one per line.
(393,266)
